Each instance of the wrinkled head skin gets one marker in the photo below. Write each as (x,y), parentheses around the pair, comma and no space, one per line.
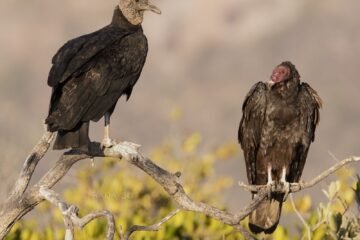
(284,71)
(133,10)
(285,80)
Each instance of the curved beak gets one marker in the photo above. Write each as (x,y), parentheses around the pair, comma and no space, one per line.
(149,7)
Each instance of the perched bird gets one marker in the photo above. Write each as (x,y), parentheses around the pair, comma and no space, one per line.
(275,133)
(90,73)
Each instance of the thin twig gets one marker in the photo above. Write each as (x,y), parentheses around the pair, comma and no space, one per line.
(300,217)
(151,228)
(332,155)
(317,225)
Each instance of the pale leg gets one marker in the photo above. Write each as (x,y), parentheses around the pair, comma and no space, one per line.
(285,183)
(283,175)
(270,182)
(107,142)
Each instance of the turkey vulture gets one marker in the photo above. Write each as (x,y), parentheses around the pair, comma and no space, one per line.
(275,133)
(90,73)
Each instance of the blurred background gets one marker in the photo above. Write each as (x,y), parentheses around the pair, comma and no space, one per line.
(204,56)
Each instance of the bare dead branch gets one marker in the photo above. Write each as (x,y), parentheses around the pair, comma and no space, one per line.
(15,207)
(30,164)
(153,228)
(308,230)
(25,198)
(71,218)
(170,183)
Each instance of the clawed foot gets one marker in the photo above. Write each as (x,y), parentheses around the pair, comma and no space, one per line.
(270,185)
(107,143)
(285,185)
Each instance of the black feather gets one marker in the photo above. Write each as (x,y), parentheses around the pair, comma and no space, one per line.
(90,73)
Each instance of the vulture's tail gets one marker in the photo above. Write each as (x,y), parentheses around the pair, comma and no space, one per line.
(77,138)
(266,216)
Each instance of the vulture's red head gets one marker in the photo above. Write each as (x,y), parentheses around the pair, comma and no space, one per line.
(284,71)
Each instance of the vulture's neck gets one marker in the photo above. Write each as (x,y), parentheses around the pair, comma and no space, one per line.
(286,90)
(120,21)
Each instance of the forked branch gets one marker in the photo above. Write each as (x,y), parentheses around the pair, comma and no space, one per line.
(71,218)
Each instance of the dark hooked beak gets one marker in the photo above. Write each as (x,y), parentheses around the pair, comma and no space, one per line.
(149,7)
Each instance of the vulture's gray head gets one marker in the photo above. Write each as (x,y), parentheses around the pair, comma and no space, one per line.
(133,10)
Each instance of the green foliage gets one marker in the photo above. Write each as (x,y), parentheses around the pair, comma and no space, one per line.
(338,218)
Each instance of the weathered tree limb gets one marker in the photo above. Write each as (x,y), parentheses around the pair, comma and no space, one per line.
(30,164)
(25,198)
(170,183)
(13,211)
(70,213)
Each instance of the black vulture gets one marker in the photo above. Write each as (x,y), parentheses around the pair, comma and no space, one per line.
(275,133)
(90,73)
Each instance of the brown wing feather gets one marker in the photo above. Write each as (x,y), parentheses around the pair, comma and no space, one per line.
(310,103)
(249,133)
